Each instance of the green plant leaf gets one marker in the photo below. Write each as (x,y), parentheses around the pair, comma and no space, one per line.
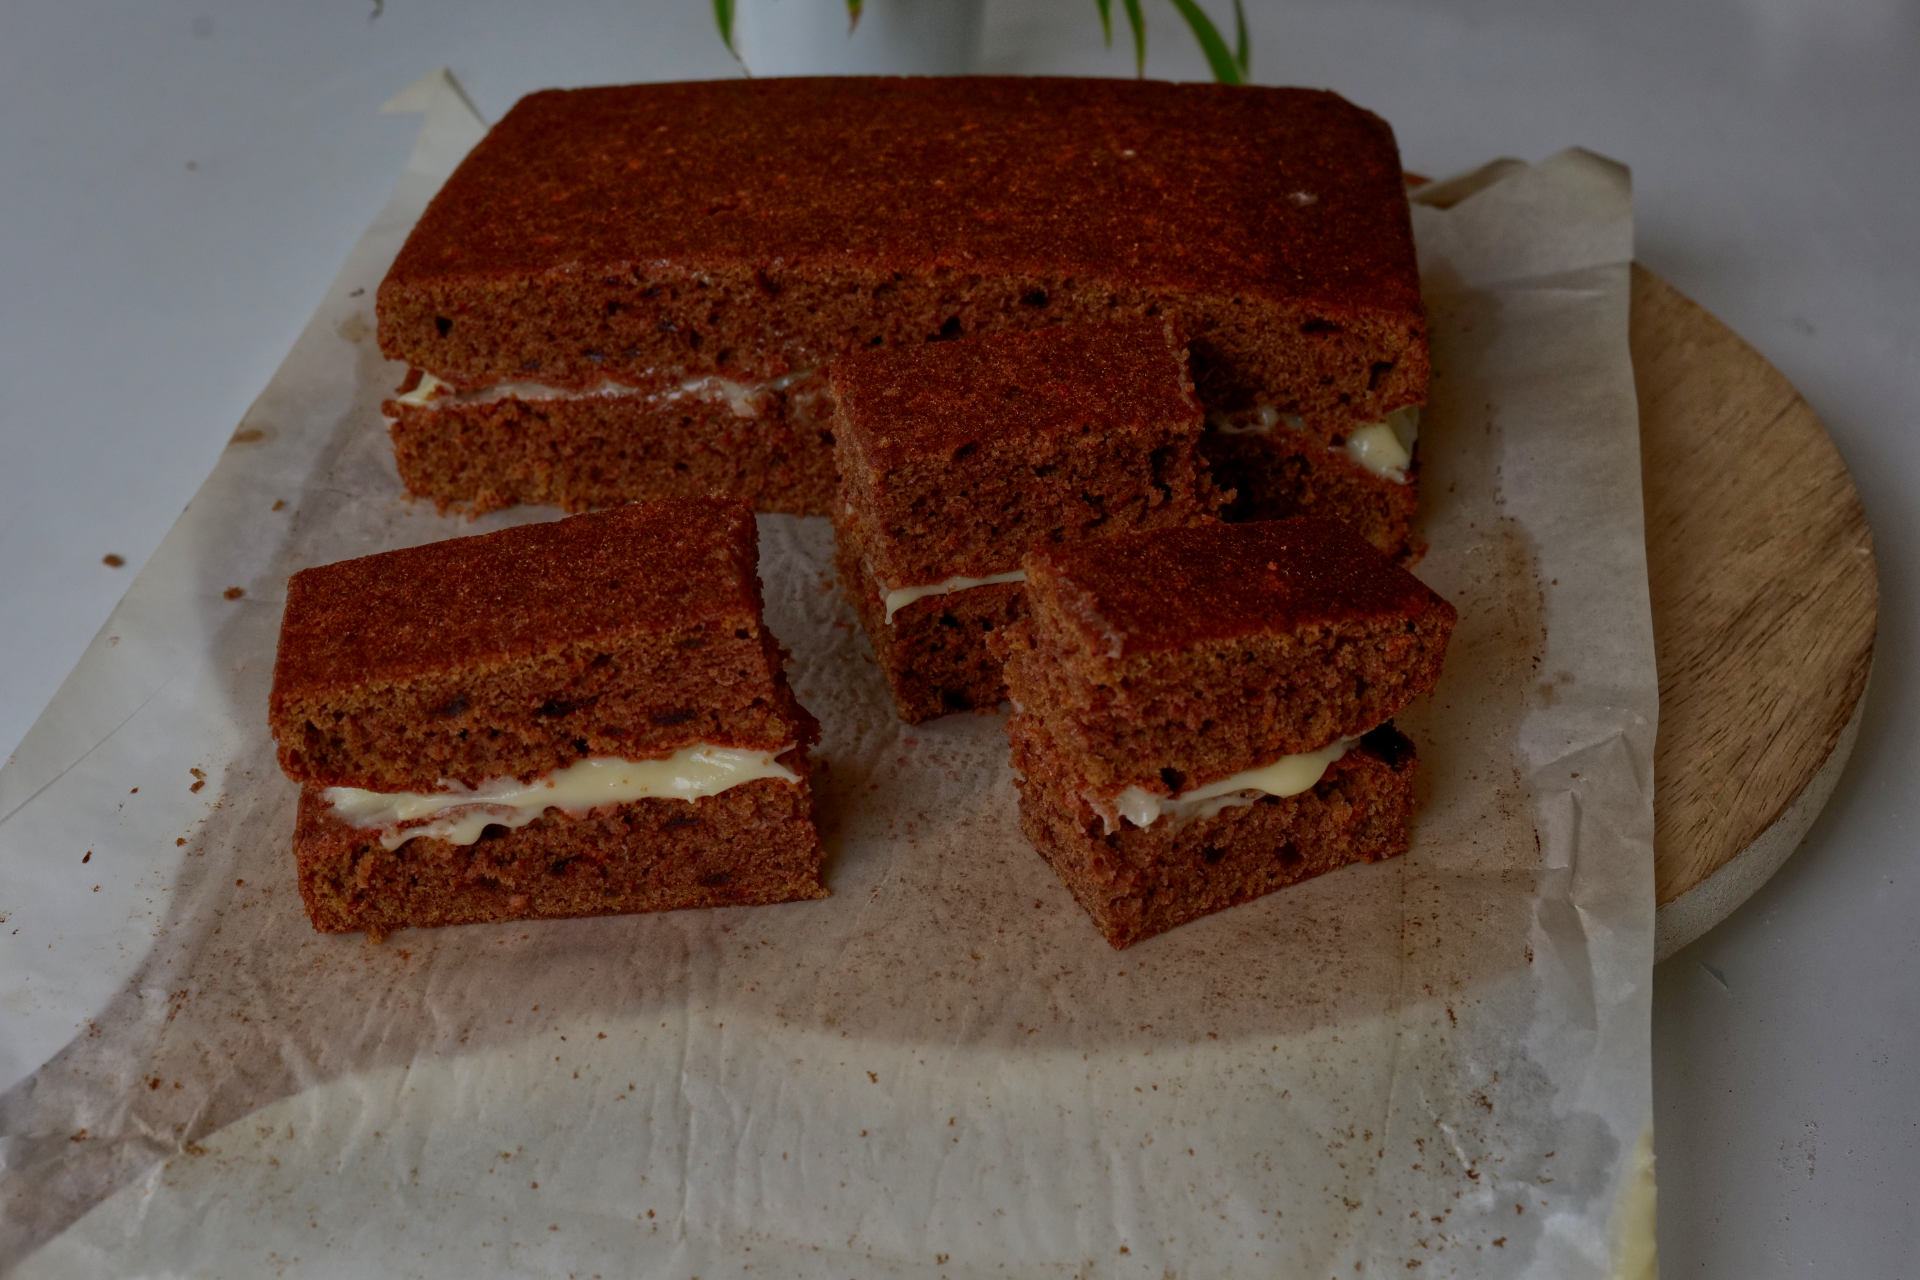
(1219,57)
(1138,21)
(1106,20)
(723,19)
(853,15)
(1242,52)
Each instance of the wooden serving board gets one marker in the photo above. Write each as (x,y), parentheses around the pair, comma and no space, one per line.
(1765,603)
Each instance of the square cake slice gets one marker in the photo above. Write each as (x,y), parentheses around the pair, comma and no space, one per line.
(1203,715)
(575,718)
(956,457)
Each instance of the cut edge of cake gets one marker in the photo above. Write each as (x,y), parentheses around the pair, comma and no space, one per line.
(580,827)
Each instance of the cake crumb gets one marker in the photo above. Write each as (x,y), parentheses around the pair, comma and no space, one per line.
(234,593)
(112,561)
(87,857)
(279,504)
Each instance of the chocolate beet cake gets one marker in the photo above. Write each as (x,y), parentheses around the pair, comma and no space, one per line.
(767,444)
(608,249)
(584,653)
(1139,881)
(955,457)
(1202,715)
(1278,471)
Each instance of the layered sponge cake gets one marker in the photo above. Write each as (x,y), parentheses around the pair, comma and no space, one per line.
(1203,715)
(956,457)
(631,292)
(1366,477)
(576,718)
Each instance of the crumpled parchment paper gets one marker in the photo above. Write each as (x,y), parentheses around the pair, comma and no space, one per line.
(1437,1063)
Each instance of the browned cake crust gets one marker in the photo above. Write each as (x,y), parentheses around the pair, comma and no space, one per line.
(1170,659)
(956,457)
(582,451)
(934,654)
(1281,474)
(753,843)
(754,227)
(1136,882)
(628,633)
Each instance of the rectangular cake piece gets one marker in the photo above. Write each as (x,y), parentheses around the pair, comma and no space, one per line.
(1203,715)
(574,718)
(955,457)
(629,291)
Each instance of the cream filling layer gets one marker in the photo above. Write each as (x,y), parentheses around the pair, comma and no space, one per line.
(458,814)
(1287,776)
(902,597)
(745,399)
(1255,422)
(1385,448)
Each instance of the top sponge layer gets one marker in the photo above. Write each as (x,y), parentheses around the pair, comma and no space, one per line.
(631,633)
(1140,593)
(954,457)
(751,227)
(1178,657)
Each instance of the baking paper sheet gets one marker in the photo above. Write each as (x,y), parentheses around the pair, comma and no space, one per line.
(1437,1063)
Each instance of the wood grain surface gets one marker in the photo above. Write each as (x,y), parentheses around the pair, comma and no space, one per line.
(1765,599)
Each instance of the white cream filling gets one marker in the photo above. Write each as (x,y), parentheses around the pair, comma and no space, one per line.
(1257,421)
(459,814)
(1384,448)
(904,596)
(428,387)
(1287,776)
(745,399)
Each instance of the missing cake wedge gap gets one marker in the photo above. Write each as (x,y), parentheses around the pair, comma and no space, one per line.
(632,291)
(1204,715)
(583,717)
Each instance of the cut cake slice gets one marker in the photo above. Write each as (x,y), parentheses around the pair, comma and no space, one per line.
(1367,478)
(629,291)
(1202,715)
(574,718)
(956,457)
(766,443)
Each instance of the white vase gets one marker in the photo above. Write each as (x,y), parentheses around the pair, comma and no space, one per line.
(893,37)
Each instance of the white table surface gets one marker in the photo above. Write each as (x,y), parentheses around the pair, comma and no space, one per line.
(179,180)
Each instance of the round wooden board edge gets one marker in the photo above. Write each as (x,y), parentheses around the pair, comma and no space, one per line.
(1686,919)
(1710,900)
